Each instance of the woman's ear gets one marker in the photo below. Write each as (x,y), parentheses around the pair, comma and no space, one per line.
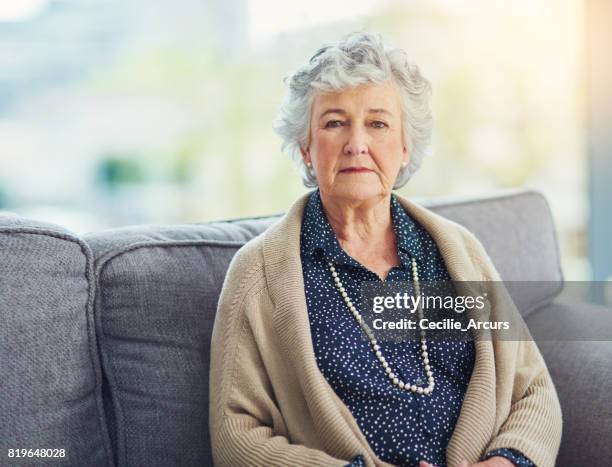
(306,155)
(406,157)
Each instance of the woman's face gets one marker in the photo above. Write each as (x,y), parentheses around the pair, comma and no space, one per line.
(356,141)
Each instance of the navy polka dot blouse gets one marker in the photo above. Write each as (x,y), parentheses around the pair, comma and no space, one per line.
(401,427)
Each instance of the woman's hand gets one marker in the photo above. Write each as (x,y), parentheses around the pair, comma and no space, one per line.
(495,461)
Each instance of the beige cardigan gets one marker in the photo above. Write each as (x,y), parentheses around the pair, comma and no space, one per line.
(271,406)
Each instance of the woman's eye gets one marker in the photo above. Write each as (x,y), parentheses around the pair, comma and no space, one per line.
(378,124)
(333,124)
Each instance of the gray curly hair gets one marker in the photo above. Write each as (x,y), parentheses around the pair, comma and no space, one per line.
(359,58)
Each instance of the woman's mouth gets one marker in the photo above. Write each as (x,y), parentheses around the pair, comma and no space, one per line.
(355,170)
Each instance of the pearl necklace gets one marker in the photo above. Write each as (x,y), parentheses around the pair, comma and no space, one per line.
(376,348)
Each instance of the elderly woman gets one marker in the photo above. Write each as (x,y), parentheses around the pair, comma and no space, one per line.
(297,376)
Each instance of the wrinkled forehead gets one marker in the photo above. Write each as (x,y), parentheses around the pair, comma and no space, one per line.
(369,98)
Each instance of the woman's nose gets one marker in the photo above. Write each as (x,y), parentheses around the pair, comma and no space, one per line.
(357,143)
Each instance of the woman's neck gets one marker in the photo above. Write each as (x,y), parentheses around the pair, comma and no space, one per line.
(361,221)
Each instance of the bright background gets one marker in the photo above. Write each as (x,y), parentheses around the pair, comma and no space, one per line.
(116,112)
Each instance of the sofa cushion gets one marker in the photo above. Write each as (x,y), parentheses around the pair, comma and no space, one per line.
(159,287)
(50,377)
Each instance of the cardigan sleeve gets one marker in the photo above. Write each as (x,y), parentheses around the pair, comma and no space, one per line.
(246,426)
(534,423)
(533,426)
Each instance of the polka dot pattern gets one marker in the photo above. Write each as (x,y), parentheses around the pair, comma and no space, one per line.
(401,427)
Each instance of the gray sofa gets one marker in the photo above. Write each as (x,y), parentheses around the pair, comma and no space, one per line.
(104,338)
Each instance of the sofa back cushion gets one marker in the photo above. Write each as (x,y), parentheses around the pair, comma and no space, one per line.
(50,377)
(158,288)
(156,304)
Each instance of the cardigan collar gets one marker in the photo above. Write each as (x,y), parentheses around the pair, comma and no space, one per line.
(284,276)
